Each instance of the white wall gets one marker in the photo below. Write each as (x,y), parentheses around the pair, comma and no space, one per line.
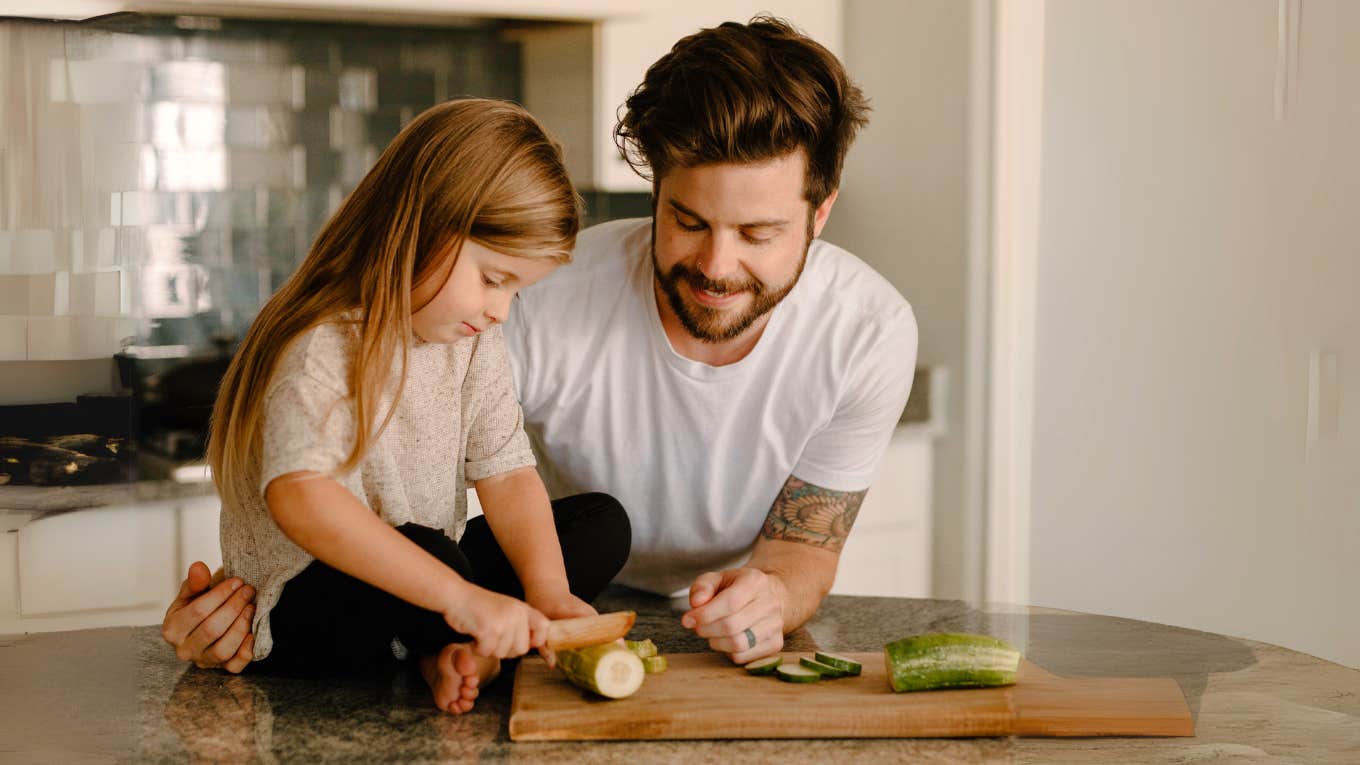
(1194,251)
(903,208)
(630,44)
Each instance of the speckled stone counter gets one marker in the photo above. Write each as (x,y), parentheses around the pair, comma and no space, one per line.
(37,500)
(120,695)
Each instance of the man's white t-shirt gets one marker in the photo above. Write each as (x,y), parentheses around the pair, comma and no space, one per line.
(697,454)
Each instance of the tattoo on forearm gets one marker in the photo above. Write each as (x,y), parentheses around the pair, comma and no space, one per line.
(812,515)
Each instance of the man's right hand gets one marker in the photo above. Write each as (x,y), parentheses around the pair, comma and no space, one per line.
(211,627)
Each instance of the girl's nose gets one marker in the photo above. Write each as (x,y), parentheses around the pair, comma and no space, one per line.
(497,310)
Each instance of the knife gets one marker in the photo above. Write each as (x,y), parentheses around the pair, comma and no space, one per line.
(589,630)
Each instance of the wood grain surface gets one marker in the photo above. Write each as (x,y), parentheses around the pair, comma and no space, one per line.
(704,696)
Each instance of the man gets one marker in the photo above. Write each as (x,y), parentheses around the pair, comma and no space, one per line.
(730,379)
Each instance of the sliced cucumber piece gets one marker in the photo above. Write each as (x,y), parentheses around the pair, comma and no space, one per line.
(765,666)
(848,666)
(643,648)
(825,670)
(791,673)
(653,664)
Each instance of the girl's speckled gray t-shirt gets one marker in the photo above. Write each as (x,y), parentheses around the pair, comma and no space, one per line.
(458,421)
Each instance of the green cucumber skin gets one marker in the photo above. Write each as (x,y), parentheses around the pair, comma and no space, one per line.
(768,669)
(940,661)
(825,670)
(654,664)
(844,665)
(936,680)
(642,648)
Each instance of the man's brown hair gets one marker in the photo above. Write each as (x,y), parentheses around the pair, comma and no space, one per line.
(742,93)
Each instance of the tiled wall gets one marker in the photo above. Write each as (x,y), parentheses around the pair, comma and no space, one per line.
(160,177)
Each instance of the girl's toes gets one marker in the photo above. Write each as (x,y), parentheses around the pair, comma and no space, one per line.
(469,693)
(465,664)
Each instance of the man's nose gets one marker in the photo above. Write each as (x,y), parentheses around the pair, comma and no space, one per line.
(718,260)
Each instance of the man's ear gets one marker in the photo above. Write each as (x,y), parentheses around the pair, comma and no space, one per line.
(823,211)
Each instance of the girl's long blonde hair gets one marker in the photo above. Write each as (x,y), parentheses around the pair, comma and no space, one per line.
(476,169)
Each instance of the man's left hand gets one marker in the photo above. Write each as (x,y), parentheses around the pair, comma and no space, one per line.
(740,611)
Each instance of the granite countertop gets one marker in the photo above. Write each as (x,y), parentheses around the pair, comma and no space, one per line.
(120,695)
(47,499)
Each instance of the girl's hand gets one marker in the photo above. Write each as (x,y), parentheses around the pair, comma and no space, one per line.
(499,625)
(559,604)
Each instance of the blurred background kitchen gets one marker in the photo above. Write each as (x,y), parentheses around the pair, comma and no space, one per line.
(1128,228)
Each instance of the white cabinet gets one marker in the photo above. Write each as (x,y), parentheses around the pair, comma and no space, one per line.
(101,566)
(888,552)
(403,11)
(109,559)
(199,537)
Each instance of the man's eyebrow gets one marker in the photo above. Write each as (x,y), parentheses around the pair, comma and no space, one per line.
(772,223)
(681,208)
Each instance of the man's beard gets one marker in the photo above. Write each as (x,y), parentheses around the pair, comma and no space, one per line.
(710,325)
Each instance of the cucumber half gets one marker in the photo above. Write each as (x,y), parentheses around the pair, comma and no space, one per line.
(791,673)
(848,666)
(825,670)
(930,662)
(609,669)
(765,666)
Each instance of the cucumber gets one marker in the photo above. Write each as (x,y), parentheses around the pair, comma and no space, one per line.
(765,666)
(825,670)
(930,662)
(609,669)
(848,666)
(792,673)
(653,664)
(643,648)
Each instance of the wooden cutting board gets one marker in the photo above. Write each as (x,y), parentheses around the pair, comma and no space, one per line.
(704,696)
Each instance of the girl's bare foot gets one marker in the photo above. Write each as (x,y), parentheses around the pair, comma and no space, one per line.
(455,676)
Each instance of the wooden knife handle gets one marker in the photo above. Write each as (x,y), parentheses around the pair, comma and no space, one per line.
(589,630)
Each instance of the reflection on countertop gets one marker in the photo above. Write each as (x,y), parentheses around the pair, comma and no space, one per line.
(120,694)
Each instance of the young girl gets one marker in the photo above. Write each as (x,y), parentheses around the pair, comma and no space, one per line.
(373,387)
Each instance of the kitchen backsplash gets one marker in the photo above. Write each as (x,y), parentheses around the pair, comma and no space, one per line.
(161,176)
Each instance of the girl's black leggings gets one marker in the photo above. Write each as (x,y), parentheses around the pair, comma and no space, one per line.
(327,622)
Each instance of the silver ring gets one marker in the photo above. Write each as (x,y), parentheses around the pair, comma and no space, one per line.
(750,638)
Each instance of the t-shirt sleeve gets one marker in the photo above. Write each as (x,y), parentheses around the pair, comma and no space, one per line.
(308,419)
(496,440)
(844,454)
